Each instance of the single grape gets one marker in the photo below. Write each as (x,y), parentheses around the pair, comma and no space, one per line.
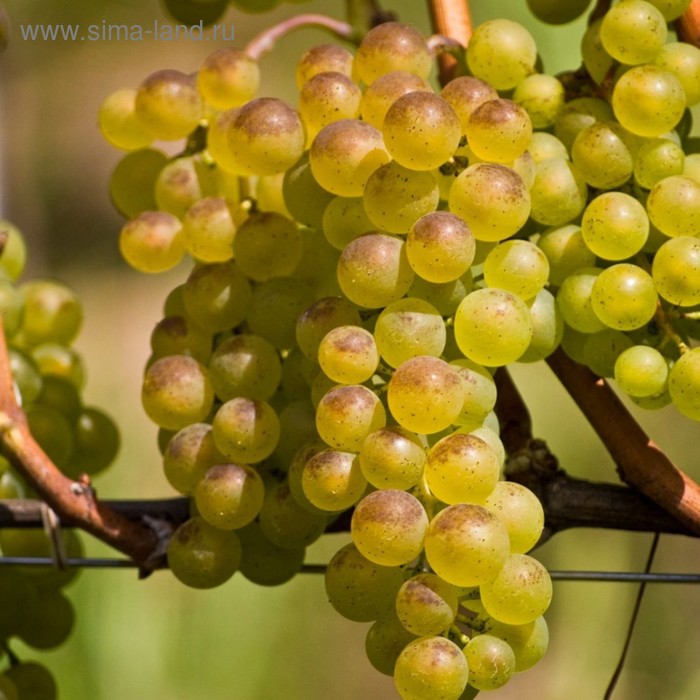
(209,230)
(385,640)
(385,90)
(246,430)
(14,250)
(673,206)
(683,60)
(263,562)
(131,186)
(326,98)
(547,327)
(175,335)
(633,31)
(152,242)
(228,78)
(426,604)
(529,641)
(542,97)
(321,317)
(332,480)
(602,156)
(558,193)
(519,267)
(348,355)
(684,384)
(392,458)
(52,312)
(579,113)
(491,662)
(464,94)
(479,391)
(119,124)
(574,299)
(676,270)
(566,252)
(188,455)
(656,159)
(344,219)
(641,371)
(321,59)
(521,512)
(499,130)
(96,442)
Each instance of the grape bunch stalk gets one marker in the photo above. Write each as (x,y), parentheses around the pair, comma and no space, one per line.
(364,265)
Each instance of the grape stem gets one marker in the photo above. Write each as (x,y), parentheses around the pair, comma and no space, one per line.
(688,25)
(265,42)
(74,501)
(452,21)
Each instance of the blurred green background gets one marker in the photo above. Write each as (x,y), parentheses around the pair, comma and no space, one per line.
(137,639)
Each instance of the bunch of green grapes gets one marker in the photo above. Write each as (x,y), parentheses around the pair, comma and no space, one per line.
(358,266)
(40,319)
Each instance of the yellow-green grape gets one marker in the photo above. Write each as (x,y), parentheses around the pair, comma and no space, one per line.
(31,679)
(321,317)
(440,247)
(547,327)
(520,593)
(558,192)
(444,296)
(542,97)
(597,61)
(180,184)
(426,604)
(168,105)
(676,270)
(347,414)
(624,297)
(544,145)
(431,667)
(267,245)
(52,431)
(322,59)
(96,442)
(218,146)
(344,219)
(385,640)
(408,328)
(492,199)
(656,159)
(425,395)
(176,335)
(491,662)
(395,197)
(217,296)
(579,113)
(176,392)
(529,641)
(14,251)
(246,430)
(517,266)
(615,226)
(462,468)
(385,90)
(373,270)
(683,60)
(152,242)
(295,473)
(633,31)
(348,355)
(52,312)
(521,512)
(492,327)
(245,365)
(502,53)
(673,206)
(203,556)
(326,98)
(209,229)
(228,78)
(421,130)
(61,361)
(648,100)
(556,12)
(684,384)
(11,307)
(188,455)
(466,544)
(285,523)
(359,589)
(388,527)
(275,307)
(641,371)
(499,131)
(118,122)
(266,137)
(229,496)
(479,392)
(132,184)
(602,156)
(303,196)
(265,564)
(389,47)
(464,94)
(332,480)
(601,350)
(566,252)
(392,458)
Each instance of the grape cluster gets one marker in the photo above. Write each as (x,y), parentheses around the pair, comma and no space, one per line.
(362,264)
(41,318)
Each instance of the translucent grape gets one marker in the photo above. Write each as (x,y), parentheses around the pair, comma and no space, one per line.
(566,252)
(684,384)
(479,391)
(676,270)
(425,394)
(332,480)
(502,53)
(408,328)
(348,355)
(492,199)
(14,252)
(392,46)
(520,593)
(426,604)
(344,219)
(542,97)
(633,31)
(529,642)
(641,371)
(547,327)
(624,297)
(325,98)
(558,193)
(544,145)
(96,442)
(519,267)
(52,312)
(392,458)
(601,350)
(385,90)
(574,299)
(228,78)
(395,197)
(218,146)
(373,270)
(579,113)
(596,59)
(491,662)
(683,60)
(175,335)
(118,122)
(209,229)
(657,159)
(152,242)
(499,130)
(674,206)
(320,318)
(492,327)
(464,94)
(179,185)
(444,296)
(246,430)
(602,156)
(421,130)
(188,455)
(466,544)
(615,226)
(385,640)
(388,527)
(521,512)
